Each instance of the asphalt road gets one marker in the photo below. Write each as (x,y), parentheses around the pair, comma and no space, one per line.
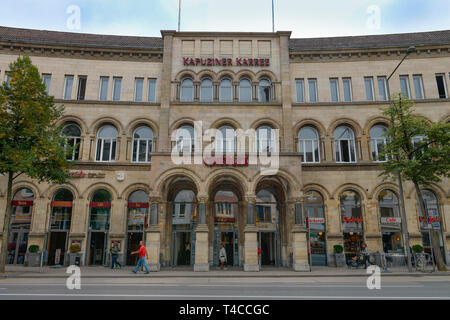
(355,288)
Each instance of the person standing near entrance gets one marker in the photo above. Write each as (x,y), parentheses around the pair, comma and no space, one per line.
(142,255)
(366,255)
(114,255)
(222,257)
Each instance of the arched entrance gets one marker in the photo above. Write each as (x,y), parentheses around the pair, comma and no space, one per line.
(22,209)
(391,224)
(60,219)
(100,212)
(352,223)
(317,228)
(137,221)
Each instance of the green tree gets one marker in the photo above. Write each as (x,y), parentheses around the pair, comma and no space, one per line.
(31,142)
(421,161)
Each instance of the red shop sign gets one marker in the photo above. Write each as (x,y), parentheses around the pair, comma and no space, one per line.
(235,161)
(430,219)
(138,205)
(20,203)
(351,220)
(100,205)
(62,204)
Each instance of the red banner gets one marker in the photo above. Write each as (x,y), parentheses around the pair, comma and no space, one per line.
(138,205)
(20,203)
(62,204)
(100,205)
(351,220)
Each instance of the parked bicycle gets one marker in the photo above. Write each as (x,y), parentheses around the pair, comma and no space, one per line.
(424,262)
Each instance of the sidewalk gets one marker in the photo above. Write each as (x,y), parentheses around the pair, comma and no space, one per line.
(126,272)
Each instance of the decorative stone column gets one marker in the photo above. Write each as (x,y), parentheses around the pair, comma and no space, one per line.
(334,229)
(251,261)
(201,239)
(299,239)
(153,237)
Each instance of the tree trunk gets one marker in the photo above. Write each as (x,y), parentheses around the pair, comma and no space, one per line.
(435,245)
(4,249)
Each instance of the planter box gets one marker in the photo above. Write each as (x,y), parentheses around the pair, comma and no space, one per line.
(339,259)
(34,259)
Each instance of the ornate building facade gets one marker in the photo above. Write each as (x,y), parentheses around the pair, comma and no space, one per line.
(143,111)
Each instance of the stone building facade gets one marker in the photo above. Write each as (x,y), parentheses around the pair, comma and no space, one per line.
(131,103)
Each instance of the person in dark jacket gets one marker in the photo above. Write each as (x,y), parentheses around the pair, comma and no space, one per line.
(114,255)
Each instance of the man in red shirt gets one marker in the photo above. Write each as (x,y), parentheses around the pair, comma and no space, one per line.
(142,254)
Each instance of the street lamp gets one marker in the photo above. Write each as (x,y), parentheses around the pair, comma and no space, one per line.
(400,184)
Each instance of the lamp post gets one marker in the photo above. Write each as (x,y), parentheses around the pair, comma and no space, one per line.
(400,183)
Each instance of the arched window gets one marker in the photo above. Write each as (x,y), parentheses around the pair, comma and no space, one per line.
(314,206)
(138,205)
(245,90)
(266,140)
(187,90)
(226,90)
(308,144)
(352,223)
(225,139)
(390,221)
(72,135)
(22,207)
(100,211)
(378,140)
(265,89)
(344,144)
(206,90)
(142,145)
(106,144)
(185,136)
(61,210)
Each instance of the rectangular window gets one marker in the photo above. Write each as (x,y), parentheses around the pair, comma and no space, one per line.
(418,86)
(382,89)
(46,78)
(347,84)
(300,87)
(404,86)
(334,90)
(139,89)
(81,87)
(68,87)
(151,90)
(312,84)
(117,89)
(104,82)
(368,83)
(440,81)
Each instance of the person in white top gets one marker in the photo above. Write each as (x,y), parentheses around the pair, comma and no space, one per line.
(222,257)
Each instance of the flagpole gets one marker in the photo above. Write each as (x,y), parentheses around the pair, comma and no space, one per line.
(179,15)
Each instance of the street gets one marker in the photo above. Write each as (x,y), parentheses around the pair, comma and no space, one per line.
(210,288)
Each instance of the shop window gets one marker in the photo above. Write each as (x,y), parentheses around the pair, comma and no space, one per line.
(352,223)
(100,211)
(390,222)
(314,206)
(106,144)
(344,145)
(72,136)
(61,215)
(138,208)
(142,145)
(308,144)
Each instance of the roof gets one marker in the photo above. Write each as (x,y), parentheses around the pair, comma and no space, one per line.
(372,41)
(78,39)
(156,43)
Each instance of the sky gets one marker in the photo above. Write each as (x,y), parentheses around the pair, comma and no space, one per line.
(306,19)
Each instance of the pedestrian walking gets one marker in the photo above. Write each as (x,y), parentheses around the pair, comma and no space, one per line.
(366,255)
(114,255)
(222,257)
(142,255)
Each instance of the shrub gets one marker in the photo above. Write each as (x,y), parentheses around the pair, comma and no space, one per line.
(417,248)
(75,248)
(338,249)
(33,248)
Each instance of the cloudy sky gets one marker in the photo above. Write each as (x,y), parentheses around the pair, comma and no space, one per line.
(315,18)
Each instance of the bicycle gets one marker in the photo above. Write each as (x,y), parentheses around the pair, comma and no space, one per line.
(422,261)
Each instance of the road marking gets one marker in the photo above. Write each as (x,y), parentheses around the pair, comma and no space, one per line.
(216,296)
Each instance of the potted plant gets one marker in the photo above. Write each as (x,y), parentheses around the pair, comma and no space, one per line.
(74,256)
(417,248)
(34,256)
(339,256)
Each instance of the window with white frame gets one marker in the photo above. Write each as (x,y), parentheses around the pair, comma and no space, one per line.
(104,82)
(404,87)
(344,145)
(312,90)
(117,88)
(225,141)
(68,85)
(378,141)
(72,137)
(226,90)
(185,139)
(206,90)
(308,144)
(441,86)
(347,86)
(142,144)
(418,87)
(187,90)
(382,89)
(334,90)
(245,90)
(151,97)
(266,140)
(106,144)
(265,89)
(138,89)
(81,92)
(300,89)
(368,84)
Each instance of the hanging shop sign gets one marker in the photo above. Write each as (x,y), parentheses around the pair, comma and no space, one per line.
(390,220)
(316,220)
(227,62)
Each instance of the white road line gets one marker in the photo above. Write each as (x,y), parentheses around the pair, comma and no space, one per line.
(217,296)
(210,285)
